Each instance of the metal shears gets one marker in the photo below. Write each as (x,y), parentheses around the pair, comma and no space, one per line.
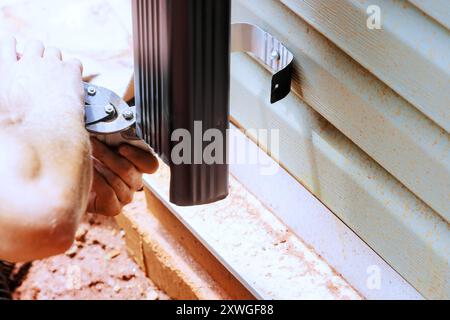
(106,112)
(109,118)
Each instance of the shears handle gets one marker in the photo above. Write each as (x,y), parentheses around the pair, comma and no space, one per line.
(117,139)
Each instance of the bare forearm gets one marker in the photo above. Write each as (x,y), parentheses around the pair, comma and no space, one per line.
(45,160)
(46,176)
(57,142)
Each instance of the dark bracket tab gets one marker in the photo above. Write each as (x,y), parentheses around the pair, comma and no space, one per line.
(249,38)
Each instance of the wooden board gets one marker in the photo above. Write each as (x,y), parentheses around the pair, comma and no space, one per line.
(256,247)
(314,223)
(162,257)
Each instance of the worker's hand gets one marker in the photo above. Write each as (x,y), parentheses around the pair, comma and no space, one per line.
(39,81)
(45,164)
(117,176)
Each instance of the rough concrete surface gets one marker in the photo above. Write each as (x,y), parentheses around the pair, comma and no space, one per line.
(96,267)
(257,246)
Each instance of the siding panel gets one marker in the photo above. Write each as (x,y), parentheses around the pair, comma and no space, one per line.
(403,230)
(437,9)
(389,129)
(410,53)
(394,133)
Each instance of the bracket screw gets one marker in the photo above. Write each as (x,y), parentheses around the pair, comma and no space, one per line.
(128,115)
(92,91)
(275,55)
(109,109)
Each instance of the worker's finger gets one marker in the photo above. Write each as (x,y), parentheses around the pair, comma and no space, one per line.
(104,200)
(52,52)
(33,49)
(117,164)
(8,49)
(75,64)
(144,161)
(123,192)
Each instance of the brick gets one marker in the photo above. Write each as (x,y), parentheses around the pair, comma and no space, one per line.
(168,264)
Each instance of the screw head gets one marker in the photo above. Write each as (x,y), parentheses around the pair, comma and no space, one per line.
(109,109)
(128,115)
(275,55)
(92,91)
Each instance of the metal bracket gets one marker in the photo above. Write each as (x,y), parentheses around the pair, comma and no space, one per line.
(106,113)
(249,38)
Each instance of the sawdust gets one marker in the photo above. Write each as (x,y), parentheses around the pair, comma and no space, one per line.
(96,267)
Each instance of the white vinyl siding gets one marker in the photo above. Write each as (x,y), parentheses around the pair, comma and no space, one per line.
(369,140)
